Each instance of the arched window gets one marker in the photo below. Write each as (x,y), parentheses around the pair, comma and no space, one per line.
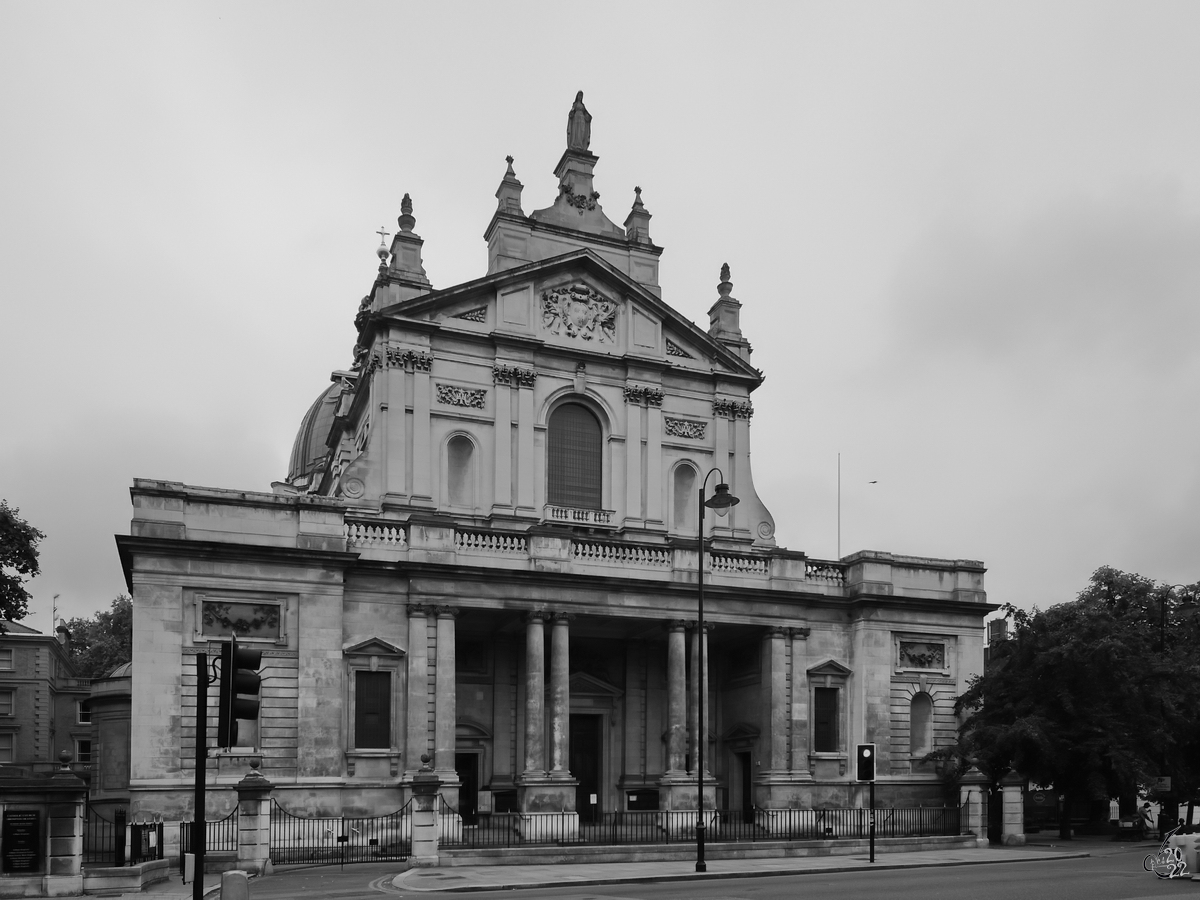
(920,724)
(460,472)
(685,500)
(574,458)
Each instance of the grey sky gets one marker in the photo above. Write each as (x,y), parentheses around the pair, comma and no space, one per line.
(966,238)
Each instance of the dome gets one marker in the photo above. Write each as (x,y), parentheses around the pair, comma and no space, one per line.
(309,448)
(124,670)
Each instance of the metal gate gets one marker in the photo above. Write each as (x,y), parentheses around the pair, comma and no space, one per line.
(337,840)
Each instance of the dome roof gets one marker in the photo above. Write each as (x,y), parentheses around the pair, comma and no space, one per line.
(309,448)
(124,670)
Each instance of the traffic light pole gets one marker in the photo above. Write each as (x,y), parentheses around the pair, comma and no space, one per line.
(199,829)
(872,821)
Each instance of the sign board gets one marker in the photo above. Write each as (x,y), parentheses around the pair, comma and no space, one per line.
(19,839)
(1162,784)
(483,802)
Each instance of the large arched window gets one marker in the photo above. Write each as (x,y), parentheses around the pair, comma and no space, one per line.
(574,458)
(685,500)
(920,723)
(460,473)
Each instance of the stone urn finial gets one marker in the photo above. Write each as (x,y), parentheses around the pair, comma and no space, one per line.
(65,758)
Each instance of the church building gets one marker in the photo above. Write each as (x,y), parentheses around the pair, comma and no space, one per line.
(485,552)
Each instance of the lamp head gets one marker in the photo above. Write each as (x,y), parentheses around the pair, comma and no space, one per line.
(721,500)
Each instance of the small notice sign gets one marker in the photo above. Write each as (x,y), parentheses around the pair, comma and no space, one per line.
(1162,784)
(19,840)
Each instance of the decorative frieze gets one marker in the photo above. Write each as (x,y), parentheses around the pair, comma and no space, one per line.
(641,393)
(922,655)
(733,409)
(514,375)
(579,201)
(478,314)
(673,349)
(580,312)
(399,358)
(684,428)
(453,395)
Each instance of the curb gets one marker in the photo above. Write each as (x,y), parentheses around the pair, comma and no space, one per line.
(714,876)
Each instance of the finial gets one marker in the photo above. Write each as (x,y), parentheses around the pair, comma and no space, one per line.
(637,197)
(508,159)
(406,220)
(724,271)
(381,251)
(726,285)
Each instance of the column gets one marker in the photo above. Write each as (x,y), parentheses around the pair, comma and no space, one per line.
(778,713)
(525,453)
(254,821)
(560,698)
(633,461)
(502,495)
(740,478)
(676,698)
(535,686)
(444,715)
(1012,829)
(654,465)
(416,740)
(392,406)
(422,471)
(799,712)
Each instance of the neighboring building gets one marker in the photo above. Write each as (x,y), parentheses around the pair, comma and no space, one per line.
(109,708)
(42,709)
(485,551)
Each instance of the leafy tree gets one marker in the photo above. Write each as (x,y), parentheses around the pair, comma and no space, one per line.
(18,558)
(104,641)
(1090,696)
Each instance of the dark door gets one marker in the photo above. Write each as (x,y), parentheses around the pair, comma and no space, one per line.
(995,816)
(585,765)
(747,787)
(466,765)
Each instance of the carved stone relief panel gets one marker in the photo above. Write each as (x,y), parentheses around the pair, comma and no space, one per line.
(453,395)
(579,312)
(684,428)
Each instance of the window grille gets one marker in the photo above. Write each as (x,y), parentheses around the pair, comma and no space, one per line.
(575,458)
(372,710)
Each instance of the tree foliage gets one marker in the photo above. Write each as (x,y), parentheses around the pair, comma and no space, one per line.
(18,558)
(103,641)
(1092,697)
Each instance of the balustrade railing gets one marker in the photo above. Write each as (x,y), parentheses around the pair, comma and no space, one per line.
(620,554)
(729,564)
(830,573)
(366,534)
(490,542)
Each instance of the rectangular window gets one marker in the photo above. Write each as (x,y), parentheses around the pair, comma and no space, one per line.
(6,658)
(83,716)
(372,710)
(6,703)
(6,748)
(825,730)
(83,752)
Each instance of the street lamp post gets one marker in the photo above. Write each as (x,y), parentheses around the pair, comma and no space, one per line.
(1169,799)
(720,502)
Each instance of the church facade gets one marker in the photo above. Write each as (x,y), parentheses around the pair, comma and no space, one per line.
(485,554)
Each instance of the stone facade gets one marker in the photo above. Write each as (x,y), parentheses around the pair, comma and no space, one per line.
(485,552)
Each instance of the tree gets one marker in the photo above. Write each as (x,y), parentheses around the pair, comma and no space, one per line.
(1091,696)
(104,641)
(18,558)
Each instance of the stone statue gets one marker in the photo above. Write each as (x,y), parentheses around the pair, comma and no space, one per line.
(579,125)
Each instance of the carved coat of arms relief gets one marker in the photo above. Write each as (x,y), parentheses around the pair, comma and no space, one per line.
(580,312)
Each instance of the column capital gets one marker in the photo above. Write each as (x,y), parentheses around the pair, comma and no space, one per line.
(677,624)
(535,615)
(693,625)
(447,612)
(418,609)
(561,617)
(801,633)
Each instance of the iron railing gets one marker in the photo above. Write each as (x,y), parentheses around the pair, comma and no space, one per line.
(327,840)
(116,842)
(220,836)
(512,829)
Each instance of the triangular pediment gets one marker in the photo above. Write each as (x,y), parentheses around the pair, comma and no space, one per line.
(742,731)
(584,685)
(577,301)
(372,647)
(830,667)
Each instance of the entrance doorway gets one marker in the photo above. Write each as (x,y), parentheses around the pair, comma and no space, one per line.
(585,764)
(466,766)
(746,775)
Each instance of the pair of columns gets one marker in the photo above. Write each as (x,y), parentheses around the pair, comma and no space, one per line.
(684,696)
(436,695)
(560,697)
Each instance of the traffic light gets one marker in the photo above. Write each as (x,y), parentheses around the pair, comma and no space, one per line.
(238,677)
(865,762)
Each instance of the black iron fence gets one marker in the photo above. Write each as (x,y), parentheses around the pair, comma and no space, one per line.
(326,840)
(511,829)
(117,842)
(220,836)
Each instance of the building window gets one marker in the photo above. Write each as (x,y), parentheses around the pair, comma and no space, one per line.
(574,458)
(460,472)
(825,720)
(6,658)
(83,751)
(6,748)
(372,710)
(685,500)
(6,703)
(83,715)
(920,723)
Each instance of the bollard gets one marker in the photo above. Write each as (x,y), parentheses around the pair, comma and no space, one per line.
(235,885)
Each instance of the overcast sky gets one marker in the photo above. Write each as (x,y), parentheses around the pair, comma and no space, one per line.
(966,238)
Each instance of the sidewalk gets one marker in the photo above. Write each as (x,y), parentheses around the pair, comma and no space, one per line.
(325,880)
